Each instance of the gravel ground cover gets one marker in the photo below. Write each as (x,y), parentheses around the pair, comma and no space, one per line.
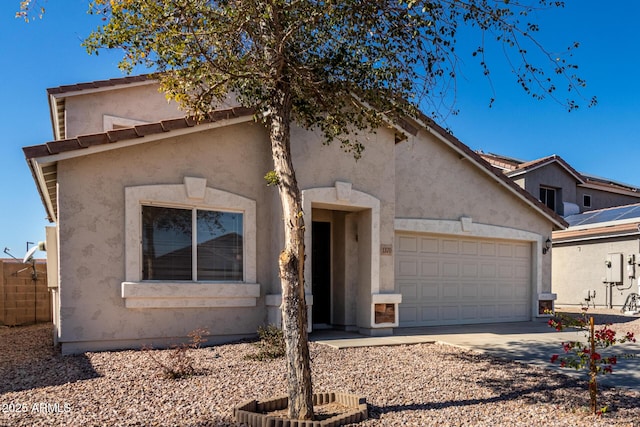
(417,385)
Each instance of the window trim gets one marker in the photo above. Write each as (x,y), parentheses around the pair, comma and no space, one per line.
(193,193)
(584,204)
(555,197)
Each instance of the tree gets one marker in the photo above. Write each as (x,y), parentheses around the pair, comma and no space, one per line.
(338,66)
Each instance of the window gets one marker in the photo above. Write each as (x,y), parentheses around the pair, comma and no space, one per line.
(191,244)
(586,201)
(548,197)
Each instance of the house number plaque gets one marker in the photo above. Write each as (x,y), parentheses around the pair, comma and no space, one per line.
(386,250)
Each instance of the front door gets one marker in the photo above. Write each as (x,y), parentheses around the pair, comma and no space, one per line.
(321,272)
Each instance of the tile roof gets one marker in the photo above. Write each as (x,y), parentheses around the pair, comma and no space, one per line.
(603,232)
(138,131)
(98,84)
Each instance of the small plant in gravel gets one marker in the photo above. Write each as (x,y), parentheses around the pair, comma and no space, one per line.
(271,344)
(180,363)
(588,355)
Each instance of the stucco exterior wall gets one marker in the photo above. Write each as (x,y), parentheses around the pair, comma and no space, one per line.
(579,267)
(603,199)
(85,113)
(319,165)
(92,226)
(434,182)
(552,176)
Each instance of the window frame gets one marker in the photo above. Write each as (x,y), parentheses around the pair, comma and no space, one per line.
(555,198)
(584,203)
(193,210)
(193,193)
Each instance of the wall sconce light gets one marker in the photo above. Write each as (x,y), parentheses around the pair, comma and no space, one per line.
(547,246)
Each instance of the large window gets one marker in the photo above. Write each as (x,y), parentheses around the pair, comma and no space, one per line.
(191,244)
(548,197)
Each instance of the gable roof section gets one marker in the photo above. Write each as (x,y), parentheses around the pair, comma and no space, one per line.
(58,96)
(443,135)
(42,159)
(525,167)
(513,167)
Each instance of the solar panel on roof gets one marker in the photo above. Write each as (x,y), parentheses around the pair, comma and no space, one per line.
(596,217)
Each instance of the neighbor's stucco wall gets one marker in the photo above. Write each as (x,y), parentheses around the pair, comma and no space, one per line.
(579,267)
(92,223)
(435,182)
(603,199)
(554,176)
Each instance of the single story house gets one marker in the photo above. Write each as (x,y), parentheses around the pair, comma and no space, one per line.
(162,225)
(596,260)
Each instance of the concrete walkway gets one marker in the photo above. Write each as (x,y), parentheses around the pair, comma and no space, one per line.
(526,342)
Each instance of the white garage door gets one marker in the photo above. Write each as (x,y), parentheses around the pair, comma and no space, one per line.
(448,280)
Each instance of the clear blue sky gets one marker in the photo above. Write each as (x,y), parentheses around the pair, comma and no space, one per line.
(602,141)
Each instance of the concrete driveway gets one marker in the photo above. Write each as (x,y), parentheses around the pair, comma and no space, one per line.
(526,342)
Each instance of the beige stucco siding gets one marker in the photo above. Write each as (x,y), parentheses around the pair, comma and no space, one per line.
(579,267)
(92,226)
(320,165)
(85,113)
(434,182)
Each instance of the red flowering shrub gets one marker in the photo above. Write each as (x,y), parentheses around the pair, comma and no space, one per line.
(579,355)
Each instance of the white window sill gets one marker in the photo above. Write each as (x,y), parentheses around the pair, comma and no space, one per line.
(189,294)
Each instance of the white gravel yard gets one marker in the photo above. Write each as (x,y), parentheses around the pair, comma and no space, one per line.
(417,385)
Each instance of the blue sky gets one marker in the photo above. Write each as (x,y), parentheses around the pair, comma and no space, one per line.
(601,141)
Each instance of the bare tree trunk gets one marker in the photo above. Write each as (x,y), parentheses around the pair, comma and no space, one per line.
(291,262)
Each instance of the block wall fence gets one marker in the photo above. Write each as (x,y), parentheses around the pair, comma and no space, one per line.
(24,296)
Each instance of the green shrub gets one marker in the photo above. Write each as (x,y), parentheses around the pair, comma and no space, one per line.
(271,344)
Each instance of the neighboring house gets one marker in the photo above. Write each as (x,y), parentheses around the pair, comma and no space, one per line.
(163,225)
(591,258)
(596,261)
(559,186)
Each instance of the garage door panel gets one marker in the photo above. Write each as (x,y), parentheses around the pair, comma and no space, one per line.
(449,246)
(407,244)
(505,271)
(429,245)
(430,269)
(468,291)
(487,249)
(450,312)
(488,270)
(505,250)
(429,291)
(505,292)
(469,248)
(469,312)
(487,291)
(450,291)
(469,269)
(450,269)
(408,314)
(462,280)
